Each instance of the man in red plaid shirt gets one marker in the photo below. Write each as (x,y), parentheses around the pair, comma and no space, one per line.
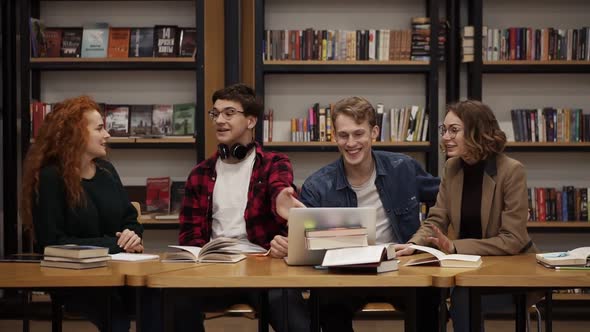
(235,194)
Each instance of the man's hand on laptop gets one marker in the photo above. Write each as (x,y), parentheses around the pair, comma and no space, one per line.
(286,200)
(279,247)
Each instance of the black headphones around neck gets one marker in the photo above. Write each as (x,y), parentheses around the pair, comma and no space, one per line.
(238,151)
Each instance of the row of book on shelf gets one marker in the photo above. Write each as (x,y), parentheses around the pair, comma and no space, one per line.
(551,204)
(399,124)
(350,45)
(99,40)
(133,120)
(526,43)
(550,125)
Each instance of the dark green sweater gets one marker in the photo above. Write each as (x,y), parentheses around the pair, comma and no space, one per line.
(107,210)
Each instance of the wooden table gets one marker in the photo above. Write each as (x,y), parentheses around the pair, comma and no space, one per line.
(28,276)
(516,273)
(263,273)
(136,275)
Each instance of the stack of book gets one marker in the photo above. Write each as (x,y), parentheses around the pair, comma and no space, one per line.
(468,43)
(73,256)
(333,238)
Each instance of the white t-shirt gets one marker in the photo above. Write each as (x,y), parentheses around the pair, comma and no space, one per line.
(367,196)
(230,196)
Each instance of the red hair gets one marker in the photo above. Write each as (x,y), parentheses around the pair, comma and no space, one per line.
(61,141)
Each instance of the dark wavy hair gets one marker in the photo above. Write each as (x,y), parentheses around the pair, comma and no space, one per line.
(243,94)
(483,136)
(61,140)
(357,108)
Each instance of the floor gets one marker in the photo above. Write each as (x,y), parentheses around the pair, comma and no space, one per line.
(244,324)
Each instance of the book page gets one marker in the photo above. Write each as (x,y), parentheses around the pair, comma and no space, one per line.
(194,251)
(130,257)
(357,255)
(461,257)
(434,252)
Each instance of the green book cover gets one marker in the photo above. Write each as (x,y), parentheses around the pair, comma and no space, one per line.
(184,119)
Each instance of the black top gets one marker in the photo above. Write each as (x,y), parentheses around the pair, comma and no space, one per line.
(471,200)
(106,210)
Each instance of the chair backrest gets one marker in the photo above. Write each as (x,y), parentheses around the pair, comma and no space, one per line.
(137,206)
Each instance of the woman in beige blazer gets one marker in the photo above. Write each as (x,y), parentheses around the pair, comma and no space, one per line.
(482,204)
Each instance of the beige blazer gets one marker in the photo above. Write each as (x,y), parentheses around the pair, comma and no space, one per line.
(504,208)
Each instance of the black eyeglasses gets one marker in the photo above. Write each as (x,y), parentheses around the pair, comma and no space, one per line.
(453,130)
(227,113)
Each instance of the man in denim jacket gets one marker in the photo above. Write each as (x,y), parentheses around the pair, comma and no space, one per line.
(393,183)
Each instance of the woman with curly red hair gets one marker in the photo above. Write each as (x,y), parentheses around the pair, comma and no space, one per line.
(72,195)
(482,203)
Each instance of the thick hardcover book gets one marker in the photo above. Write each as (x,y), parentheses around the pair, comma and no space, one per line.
(372,258)
(141,42)
(53,41)
(95,40)
(176,196)
(117,120)
(71,42)
(335,242)
(444,260)
(119,42)
(188,37)
(162,119)
(38,48)
(166,40)
(140,120)
(157,194)
(72,265)
(75,251)
(184,119)
(220,250)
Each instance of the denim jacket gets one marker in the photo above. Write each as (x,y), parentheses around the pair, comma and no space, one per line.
(401,183)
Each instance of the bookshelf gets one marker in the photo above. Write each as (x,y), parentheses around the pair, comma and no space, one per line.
(146,80)
(506,85)
(289,86)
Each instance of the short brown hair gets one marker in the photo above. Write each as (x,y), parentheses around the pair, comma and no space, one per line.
(357,108)
(243,94)
(483,136)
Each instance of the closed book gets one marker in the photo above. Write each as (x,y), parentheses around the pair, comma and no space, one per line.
(336,231)
(444,260)
(77,260)
(72,265)
(380,267)
(575,257)
(334,242)
(75,251)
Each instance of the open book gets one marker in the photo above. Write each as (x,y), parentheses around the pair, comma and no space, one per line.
(220,250)
(444,260)
(575,257)
(374,258)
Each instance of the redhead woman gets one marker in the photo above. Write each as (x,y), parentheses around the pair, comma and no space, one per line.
(72,195)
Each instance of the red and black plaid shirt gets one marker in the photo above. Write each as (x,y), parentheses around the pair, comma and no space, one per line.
(272,173)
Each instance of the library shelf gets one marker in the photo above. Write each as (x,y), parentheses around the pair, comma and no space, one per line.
(331,146)
(148,63)
(345,67)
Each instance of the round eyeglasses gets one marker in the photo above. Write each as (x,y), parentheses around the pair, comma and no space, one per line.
(453,130)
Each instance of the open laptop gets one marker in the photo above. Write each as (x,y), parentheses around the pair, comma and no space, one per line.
(301,219)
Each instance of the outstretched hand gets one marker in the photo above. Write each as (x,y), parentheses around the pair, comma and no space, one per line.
(441,240)
(285,201)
